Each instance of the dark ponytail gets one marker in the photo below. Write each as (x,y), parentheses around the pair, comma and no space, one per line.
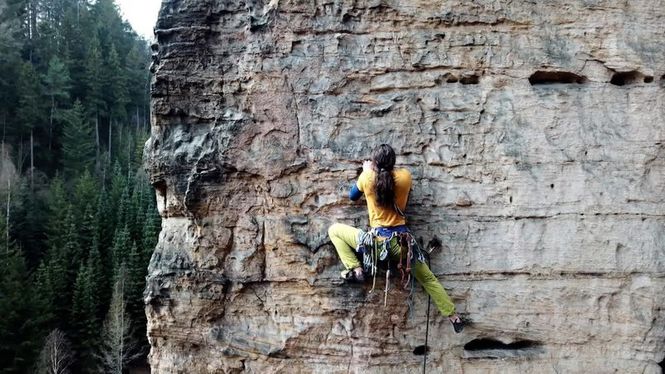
(384,185)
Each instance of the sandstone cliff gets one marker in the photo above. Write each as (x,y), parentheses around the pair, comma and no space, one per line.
(534,130)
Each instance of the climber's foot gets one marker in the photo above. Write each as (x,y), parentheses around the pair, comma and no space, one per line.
(354,276)
(458,324)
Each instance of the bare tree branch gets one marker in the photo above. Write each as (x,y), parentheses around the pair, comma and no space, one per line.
(118,346)
(56,356)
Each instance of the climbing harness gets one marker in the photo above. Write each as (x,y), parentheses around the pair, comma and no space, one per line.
(375,250)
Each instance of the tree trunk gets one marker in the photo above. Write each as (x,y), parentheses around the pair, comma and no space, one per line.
(19,163)
(110,143)
(32,160)
(97,132)
(50,126)
(120,140)
(4,129)
(9,199)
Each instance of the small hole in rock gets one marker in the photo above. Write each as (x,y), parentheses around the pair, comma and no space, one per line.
(648,79)
(421,350)
(552,77)
(625,77)
(160,190)
(486,343)
(464,155)
(552,185)
(510,199)
(470,79)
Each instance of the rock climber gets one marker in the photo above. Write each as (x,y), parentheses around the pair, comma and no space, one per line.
(386,191)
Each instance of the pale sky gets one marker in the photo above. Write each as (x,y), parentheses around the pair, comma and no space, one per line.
(141,14)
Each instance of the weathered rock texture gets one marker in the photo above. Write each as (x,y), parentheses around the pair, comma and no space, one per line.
(535,134)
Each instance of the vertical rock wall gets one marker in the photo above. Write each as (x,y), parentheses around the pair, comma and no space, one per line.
(534,131)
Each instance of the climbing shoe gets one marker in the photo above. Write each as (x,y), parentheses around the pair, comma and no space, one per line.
(352,277)
(458,324)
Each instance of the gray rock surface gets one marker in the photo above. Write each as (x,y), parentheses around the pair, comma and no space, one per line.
(535,133)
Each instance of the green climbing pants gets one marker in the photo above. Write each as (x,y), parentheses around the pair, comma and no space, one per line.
(345,240)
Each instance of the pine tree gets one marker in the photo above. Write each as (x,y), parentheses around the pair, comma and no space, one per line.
(52,286)
(27,228)
(78,149)
(85,304)
(72,251)
(124,217)
(136,273)
(28,112)
(121,247)
(87,228)
(118,184)
(95,86)
(151,230)
(10,62)
(18,329)
(137,67)
(105,225)
(116,86)
(99,278)
(138,221)
(86,191)
(56,87)
(58,204)
(29,104)
(43,288)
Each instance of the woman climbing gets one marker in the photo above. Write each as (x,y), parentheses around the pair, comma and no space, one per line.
(386,190)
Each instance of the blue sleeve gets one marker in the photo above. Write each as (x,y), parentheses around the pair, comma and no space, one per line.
(355,192)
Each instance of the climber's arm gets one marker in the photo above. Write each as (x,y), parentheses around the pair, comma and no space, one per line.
(355,192)
(358,187)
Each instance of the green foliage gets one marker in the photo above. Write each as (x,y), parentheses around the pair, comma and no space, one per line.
(86,190)
(151,229)
(104,223)
(116,86)
(28,225)
(18,326)
(85,322)
(94,78)
(29,108)
(57,82)
(57,206)
(78,147)
(70,71)
(121,248)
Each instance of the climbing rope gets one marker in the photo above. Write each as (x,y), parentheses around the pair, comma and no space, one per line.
(429,302)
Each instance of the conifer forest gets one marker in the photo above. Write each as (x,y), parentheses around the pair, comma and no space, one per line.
(79,220)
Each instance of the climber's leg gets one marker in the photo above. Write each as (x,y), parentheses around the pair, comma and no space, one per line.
(433,288)
(345,240)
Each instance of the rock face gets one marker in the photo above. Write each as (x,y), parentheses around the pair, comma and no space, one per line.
(535,133)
